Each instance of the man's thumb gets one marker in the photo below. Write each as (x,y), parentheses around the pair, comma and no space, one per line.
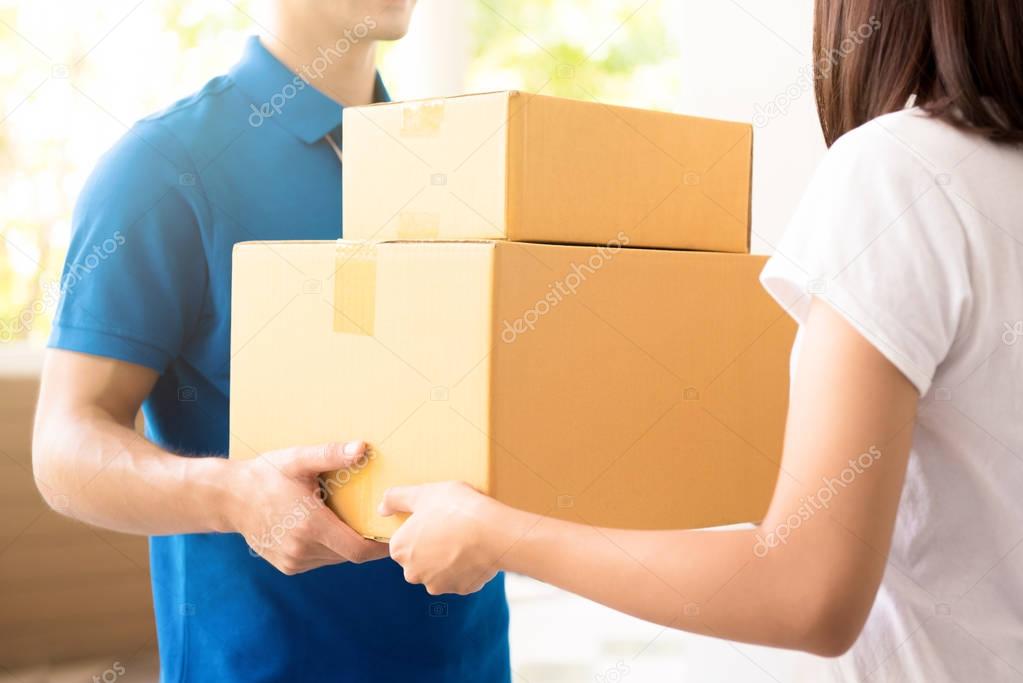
(315,460)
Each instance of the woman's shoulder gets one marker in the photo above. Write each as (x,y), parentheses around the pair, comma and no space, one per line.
(912,142)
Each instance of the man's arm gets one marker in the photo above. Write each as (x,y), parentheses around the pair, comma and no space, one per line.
(90,464)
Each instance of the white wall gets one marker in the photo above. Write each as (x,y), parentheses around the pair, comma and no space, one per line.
(432,60)
(736,55)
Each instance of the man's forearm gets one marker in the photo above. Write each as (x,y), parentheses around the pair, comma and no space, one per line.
(94,469)
(91,465)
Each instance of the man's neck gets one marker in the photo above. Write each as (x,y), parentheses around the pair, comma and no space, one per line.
(342,69)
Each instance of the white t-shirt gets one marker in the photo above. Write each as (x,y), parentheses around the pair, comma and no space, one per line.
(913,231)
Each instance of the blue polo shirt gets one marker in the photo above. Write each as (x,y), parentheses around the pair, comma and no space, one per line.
(148,281)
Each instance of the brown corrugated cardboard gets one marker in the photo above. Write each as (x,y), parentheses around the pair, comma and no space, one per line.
(510,165)
(610,386)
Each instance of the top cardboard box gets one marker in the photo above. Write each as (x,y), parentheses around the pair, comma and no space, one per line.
(531,168)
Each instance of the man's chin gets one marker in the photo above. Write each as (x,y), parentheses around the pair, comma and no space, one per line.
(392,19)
(382,34)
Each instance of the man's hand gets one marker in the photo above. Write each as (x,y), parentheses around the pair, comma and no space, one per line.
(276,504)
(448,544)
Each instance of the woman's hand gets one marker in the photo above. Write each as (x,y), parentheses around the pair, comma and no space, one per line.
(447,544)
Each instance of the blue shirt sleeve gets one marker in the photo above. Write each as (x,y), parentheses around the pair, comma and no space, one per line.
(135,276)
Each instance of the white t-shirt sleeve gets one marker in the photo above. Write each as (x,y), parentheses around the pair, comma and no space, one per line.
(877,237)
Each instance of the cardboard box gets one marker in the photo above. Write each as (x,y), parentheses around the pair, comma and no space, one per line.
(610,386)
(531,168)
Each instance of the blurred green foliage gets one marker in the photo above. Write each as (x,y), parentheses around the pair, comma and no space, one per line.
(61,81)
(587,49)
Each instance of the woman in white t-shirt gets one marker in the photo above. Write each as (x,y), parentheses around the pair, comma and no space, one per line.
(904,268)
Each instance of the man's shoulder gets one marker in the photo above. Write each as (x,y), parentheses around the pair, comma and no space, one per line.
(200,124)
(206,100)
(174,144)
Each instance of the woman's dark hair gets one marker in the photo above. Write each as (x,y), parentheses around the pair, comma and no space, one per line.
(959,60)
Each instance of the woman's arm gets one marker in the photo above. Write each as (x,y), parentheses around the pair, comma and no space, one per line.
(805,578)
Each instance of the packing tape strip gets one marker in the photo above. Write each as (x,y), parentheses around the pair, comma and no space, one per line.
(423,118)
(355,288)
(418,225)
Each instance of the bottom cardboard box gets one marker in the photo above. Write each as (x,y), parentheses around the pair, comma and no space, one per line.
(609,386)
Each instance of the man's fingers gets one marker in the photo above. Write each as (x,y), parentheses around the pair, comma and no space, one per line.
(342,540)
(398,499)
(315,460)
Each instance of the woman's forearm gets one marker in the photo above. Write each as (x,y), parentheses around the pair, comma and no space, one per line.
(812,586)
(707,582)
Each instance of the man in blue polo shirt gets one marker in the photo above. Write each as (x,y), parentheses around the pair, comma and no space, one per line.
(145,320)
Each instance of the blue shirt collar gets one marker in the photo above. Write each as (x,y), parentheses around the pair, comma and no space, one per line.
(277,93)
